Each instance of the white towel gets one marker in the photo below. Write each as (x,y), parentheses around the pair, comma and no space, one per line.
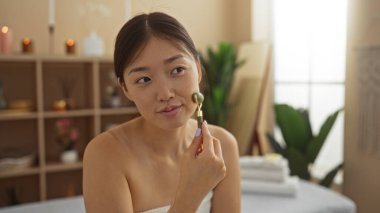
(270,161)
(264,174)
(287,188)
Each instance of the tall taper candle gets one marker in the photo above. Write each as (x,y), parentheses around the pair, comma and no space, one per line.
(51,14)
(5,40)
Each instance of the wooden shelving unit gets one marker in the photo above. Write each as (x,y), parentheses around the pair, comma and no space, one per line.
(37,78)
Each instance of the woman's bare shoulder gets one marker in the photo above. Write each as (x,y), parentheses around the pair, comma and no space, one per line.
(101,147)
(110,145)
(105,162)
(116,138)
(227,193)
(225,137)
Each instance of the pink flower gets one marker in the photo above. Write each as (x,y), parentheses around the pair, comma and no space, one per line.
(74,135)
(63,123)
(67,133)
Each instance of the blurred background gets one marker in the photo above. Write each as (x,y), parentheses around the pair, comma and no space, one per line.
(57,90)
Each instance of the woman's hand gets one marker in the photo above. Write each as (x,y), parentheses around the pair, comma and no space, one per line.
(200,172)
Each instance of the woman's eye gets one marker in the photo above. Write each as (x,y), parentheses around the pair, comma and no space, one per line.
(178,70)
(143,80)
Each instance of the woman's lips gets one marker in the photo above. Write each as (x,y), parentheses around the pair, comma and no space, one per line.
(170,110)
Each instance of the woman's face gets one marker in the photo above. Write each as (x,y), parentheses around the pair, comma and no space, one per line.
(161,81)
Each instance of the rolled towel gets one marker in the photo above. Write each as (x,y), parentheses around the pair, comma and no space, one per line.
(264,174)
(270,161)
(287,188)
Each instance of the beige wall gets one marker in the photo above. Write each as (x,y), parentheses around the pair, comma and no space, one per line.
(245,95)
(362,168)
(30,18)
(208,22)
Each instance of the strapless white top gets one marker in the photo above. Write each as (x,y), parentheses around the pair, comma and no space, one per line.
(205,206)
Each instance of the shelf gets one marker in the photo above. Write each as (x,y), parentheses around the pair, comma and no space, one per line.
(54,58)
(19,81)
(16,115)
(63,79)
(17,58)
(41,80)
(18,136)
(72,186)
(19,172)
(24,189)
(69,113)
(118,111)
(60,167)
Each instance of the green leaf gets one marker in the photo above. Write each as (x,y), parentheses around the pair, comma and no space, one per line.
(293,126)
(309,131)
(329,178)
(298,164)
(316,144)
(220,66)
(275,145)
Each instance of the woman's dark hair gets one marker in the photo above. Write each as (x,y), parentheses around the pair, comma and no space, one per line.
(135,34)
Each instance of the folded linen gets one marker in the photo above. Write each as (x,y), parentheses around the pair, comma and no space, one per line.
(270,161)
(264,174)
(287,188)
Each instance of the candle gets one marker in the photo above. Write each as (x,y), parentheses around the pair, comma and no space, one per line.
(70,46)
(27,45)
(5,40)
(51,14)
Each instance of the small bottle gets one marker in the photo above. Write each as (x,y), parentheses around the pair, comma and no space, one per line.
(3,100)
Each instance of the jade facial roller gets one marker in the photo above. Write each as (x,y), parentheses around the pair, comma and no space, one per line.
(198,99)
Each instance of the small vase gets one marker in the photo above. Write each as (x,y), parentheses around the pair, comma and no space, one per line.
(69,156)
(93,45)
(114,101)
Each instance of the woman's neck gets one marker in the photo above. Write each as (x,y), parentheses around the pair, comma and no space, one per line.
(166,142)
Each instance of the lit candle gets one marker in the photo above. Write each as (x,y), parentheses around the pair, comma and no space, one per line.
(5,40)
(51,15)
(27,45)
(70,46)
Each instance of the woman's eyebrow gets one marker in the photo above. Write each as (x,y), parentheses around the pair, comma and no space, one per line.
(173,58)
(166,61)
(138,69)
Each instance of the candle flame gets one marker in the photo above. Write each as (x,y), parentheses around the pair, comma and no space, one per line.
(70,42)
(26,41)
(4,29)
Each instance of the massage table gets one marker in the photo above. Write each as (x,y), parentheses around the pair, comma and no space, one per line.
(311,198)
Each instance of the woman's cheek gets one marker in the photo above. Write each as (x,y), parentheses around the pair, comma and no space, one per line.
(136,96)
(142,101)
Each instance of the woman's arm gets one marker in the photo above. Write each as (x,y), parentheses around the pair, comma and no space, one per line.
(105,188)
(226,196)
(200,173)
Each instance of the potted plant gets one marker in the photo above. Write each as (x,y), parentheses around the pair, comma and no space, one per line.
(67,137)
(301,146)
(220,66)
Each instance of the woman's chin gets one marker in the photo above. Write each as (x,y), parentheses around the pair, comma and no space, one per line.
(170,124)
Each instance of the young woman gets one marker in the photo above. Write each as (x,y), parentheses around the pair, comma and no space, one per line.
(151,164)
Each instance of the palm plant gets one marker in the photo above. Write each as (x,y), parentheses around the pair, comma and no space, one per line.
(301,146)
(220,66)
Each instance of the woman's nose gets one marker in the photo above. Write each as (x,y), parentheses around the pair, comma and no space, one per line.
(164,91)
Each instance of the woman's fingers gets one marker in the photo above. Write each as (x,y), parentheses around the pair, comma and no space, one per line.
(197,142)
(208,145)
